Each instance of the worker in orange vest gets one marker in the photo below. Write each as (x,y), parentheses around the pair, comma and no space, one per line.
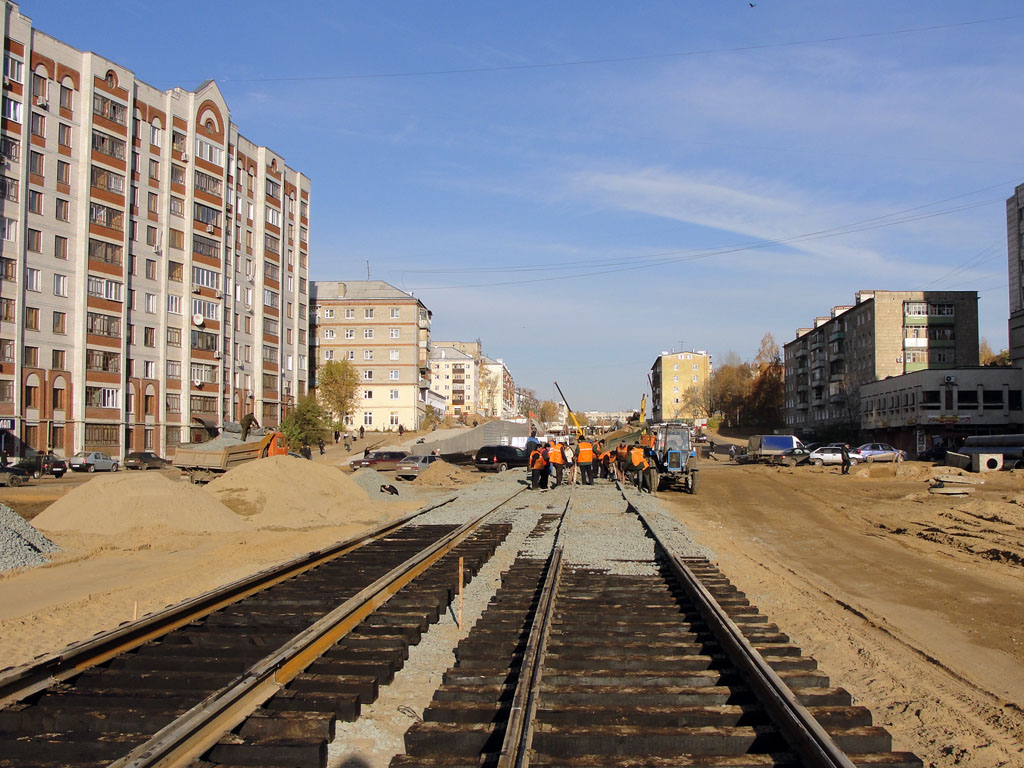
(556,456)
(539,467)
(585,459)
(639,465)
(620,462)
(605,459)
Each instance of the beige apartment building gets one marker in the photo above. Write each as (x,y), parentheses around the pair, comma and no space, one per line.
(497,389)
(153,261)
(676,380)
(384,333)
(454,375)
(884,333)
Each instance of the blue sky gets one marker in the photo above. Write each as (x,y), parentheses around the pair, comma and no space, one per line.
(582,185)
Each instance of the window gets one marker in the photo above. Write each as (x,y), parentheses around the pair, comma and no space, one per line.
(12,110)
(101,178)
(67,97)
(204,246)
(328,333)
(106,252)
(368,333)
(9,188)
(271,271)
(350,333)
(151,303)
(368,313)
(35,201)
(393,375)
(393,354)
(110,146)
(13,68)
(8,270)
(31,356)
(393,333)
(154,169)
(174,337)
(273,216)
(394,419)
(208,152)
(153,202)
(64,134)
(58,360)
(177,175)
(394,313)
(104,289)
(63,210)
(60,285)
(207,278)
(63,172)
(270,298)
(36,164)
(368,418)
(31,318)
(38,125)
(206,183)
(208,309)
(34,241)
(31,401)
(106,217)
(393,394)
(367,354)
(328,314)
(155,135)
(8,229)
(7,310)
(103,325)
(350,314)
(111,110)
(177,207)
(273,188)
(32,279)
(201,340)
(367,375)
(102,397)
(173,369)
(367,394)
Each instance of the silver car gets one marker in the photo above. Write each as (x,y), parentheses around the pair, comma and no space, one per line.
(92,461)
(833,454)
(410,467)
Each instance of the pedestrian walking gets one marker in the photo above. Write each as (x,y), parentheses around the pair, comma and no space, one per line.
(306,452)
(362,431)
(846,458)
(337,436)
(320,445)
(732,453)
(401,430)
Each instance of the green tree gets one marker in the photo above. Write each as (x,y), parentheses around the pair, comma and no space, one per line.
(337,387)
(307,423)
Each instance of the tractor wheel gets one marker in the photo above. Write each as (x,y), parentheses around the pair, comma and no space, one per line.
(691,485)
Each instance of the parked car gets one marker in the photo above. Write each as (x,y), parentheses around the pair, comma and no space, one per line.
(881,452)
(792,457)
(40,464)
(92,461)
(498,458)
(144,460)
(410,467)
(833,454)
(382,461)
(13,477)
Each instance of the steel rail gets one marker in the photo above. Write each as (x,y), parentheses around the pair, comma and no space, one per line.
(519,730)
(807,738)
(197,730)
(20,682)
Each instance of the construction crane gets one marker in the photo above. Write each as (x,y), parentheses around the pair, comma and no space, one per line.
(575,421)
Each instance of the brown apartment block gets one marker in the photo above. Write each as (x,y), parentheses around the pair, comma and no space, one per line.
(153,261)
(884,333)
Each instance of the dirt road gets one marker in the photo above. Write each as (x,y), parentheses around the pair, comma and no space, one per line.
(911,601)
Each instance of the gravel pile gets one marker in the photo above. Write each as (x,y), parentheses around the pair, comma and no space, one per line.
(21,545)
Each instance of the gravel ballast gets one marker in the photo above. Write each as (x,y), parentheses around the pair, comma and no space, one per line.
(21,545)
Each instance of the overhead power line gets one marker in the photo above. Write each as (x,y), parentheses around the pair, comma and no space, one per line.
(623,59)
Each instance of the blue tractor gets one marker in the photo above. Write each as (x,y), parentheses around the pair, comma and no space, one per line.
(674,457)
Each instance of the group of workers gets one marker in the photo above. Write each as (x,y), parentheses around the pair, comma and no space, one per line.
(587,460)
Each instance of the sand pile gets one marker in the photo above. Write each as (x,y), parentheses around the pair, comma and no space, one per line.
(116,503)
(21,544)
(285,492)
(441,474)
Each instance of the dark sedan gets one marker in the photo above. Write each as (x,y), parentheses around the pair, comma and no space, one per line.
(144,460)
(13,476)
(380,460)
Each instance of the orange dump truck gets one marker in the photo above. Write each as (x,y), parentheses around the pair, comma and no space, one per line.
(205,461)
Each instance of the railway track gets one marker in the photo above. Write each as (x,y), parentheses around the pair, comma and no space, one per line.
(648,663)
(255,673)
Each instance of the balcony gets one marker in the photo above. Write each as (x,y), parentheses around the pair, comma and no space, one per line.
(837,336)
(801,351)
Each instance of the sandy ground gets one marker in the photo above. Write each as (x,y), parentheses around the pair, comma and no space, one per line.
(912,602)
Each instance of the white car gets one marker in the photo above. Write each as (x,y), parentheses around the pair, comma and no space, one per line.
(91,461)
(833,454)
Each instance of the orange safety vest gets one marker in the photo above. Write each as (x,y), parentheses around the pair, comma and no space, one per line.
(555,454)
(637,458)
(621,451)
(585,453)
(537,459)
(606,456)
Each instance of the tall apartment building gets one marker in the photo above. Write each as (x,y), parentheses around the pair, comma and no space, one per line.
(676,378)
(497,389)
(884,333)
(385,333)
(153,261)
(454,375)
(1015,263)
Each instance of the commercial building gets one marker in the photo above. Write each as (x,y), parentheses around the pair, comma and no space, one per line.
(153,261)
(678,381)
(918,410)
(884,333)
(385,333)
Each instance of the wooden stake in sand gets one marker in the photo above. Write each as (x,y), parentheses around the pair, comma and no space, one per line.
(460,594)
(135,611)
